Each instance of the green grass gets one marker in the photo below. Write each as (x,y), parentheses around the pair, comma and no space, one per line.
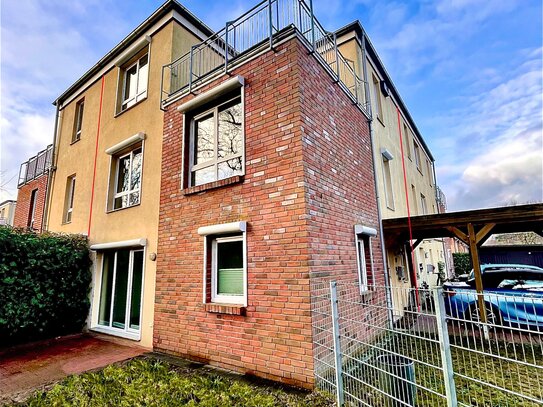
(150,382)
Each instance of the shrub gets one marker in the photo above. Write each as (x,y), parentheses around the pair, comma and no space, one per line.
(44,285)
(462,263)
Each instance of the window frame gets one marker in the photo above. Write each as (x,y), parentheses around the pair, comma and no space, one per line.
(222,298)
(32,209)
(365,271)
(214,111)
(423,204)
(122,77)
(70,193)
(387,179)
(78,120)
(114,172)
(127,332)
(418,158)
(376,82)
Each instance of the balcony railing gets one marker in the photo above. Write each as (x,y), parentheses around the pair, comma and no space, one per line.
(36,166)
(256,28)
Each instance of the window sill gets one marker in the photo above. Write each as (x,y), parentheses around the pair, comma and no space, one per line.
(75,141)
(122,209)
(212,185)
(380,120)
(117,114)
(230,309)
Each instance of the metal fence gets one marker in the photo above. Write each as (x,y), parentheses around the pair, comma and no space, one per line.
(426,347)
(36,166)
(255,28)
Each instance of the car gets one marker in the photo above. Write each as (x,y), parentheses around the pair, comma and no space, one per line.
(496,267)
(512,296)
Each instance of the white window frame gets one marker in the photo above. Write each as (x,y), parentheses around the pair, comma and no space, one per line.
(140,95)
(221,298)
(70,199)
(121,194)
(127,332)
(78,123)
(363,233)
(214,111)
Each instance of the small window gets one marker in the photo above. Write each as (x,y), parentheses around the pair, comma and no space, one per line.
(414,199)
(365,264)
(69,205)
(407,139)
(417,155)
(133,81)
(423,204)
(389,192)
(127,172)
(228,270)
(32,211)
(377,104)
(217,143)
(430,172)
(78,121)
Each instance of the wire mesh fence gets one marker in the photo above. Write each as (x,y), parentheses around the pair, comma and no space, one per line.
(396,346)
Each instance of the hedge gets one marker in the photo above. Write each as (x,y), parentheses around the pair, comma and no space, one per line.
(462,263)
(44,285)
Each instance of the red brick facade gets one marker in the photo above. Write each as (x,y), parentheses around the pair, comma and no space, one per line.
(308,181)
(22,210)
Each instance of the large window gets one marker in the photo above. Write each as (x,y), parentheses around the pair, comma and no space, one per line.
(134,76)
(217,143)
(127,168)
(78,120)
(121,290)
(69,202)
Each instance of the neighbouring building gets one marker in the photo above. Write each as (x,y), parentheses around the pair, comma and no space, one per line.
(32,190)
(7,212)
(221,176)
(404,165)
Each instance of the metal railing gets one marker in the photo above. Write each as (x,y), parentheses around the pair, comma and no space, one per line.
(36,166)
(369,354)
(255,28)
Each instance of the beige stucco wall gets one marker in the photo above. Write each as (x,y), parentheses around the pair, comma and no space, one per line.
(386,136)
(7,213)
(135,222)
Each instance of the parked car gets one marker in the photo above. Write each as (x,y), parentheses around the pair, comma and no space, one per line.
(512,297)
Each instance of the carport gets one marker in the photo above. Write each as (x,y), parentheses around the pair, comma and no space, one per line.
(471,227)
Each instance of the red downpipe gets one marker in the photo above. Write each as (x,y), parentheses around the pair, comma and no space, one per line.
(95,156)
(408,211)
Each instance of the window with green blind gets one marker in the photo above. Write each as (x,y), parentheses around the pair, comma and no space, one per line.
(228,270)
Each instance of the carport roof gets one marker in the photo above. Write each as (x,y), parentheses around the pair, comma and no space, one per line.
(509,219)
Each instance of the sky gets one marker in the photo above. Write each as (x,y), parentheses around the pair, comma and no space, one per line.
(470,72)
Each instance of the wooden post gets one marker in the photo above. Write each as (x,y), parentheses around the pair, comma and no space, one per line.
(474,251)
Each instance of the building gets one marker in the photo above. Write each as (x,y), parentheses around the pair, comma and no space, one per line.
(32,190)
(221,176)
(106,183)
(7,212)
(404,165)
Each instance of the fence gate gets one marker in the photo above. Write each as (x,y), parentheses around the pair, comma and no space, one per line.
(409,351)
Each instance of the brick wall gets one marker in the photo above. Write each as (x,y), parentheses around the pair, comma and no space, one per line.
(22,210)
(293,196)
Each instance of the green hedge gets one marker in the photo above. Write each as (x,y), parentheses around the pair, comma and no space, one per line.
(462,263)
(44,285)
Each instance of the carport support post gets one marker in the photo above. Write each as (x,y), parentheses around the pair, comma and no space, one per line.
(474,251)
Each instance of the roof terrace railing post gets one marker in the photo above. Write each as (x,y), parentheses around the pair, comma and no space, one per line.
(226,48)
(337,56)
(312,24)
(190,67)
(270,22)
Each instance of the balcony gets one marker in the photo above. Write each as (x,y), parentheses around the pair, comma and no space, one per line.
(35,166)
(249,34)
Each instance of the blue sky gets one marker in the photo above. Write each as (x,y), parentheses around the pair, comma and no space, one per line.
(470,72)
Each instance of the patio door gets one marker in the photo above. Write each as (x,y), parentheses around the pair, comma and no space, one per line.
(121,291)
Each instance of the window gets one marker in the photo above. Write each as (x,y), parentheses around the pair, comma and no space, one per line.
(217,143)
(430,172)
(126,186)
(406,137)
(417,155)
(133,83)
(228,269)
(32,211)
(423,206)
(389,193)
(78,121)
(414,199)
(121,290)
(69,205)
(364,257)
(378,107)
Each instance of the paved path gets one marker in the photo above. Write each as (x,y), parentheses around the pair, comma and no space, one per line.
(27,369)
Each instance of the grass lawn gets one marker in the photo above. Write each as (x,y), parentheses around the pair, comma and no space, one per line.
(151,382)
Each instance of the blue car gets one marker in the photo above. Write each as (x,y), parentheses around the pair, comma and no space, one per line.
(513,297)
